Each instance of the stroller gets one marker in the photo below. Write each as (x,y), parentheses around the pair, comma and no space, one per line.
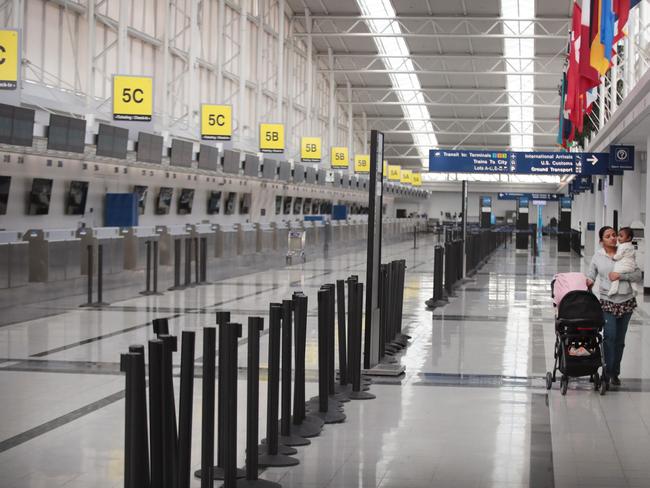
(578,341)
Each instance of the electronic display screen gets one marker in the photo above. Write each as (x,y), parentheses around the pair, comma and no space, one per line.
(269,169)
(66,134)
(141,192)
(231,198)
(315,207)
(278,205)
(298,173)
(149,148)
(16,125)
(251,165)
(185,200)
(524,201)
(306,209)
(297,206)
(285,171)
(231,161)
(112,141)
(208,157)
(245,203)
(322,176)
(214,202)
(286,209)
(164,200)
(565,202)
(76,199)
(39,197)
(486,201)
(5,183)
(181,153)
(310,177)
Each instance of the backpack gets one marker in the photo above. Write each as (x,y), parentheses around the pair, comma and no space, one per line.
(563,283)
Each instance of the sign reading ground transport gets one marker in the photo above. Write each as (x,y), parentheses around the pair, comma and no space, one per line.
(132,98)
(552,197)
(544,163)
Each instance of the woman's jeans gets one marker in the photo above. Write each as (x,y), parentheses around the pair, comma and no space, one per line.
(614,341)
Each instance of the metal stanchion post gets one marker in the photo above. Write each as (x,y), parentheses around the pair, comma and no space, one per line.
(204,260)
(89,299)
(185,409)
(177,266)
(169,430)
(232,334)
(207,408)
(100,276)
(340,302)
(155,414)
(147,289)
(155,268)
(355,317)
(197,261)
(188,262)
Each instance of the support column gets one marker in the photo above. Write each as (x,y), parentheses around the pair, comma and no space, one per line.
(219,37)
(279,107)
(646,275)
(350,122)
(613,86)
(243,56)
(631,204)
(365,134)
(122,39)
(601,103)
(464,227)
(614,199)
(332,101)
(310,73)
(599,208)
(164,103)
(260,59)
(90,53)
(191,85)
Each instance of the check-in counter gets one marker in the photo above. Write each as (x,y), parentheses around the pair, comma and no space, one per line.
(204,237)
(310,233)
(265,237)
(14,260)
(135,245)
(282,236)
(53,255)
(345,230)
(246,239)
(112,242)
(227,241)
(336,231)
(170,237)
(319,232)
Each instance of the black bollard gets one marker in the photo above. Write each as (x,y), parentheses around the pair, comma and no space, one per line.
(204,260)
(287,438)
(232,333)
(185,409)
(177,266)
(188,262)
(340,302)
(207,407)
(355,318)
(147,289)
(155,268)
(169,430)
(100,277)
(160,326)
(197,262)
(141,412)
(155,414)
(272,457)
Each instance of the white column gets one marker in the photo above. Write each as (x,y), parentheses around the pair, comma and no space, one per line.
(90,53)
(601,103)
(219,39)
(613,86)
(614,202)
(243,61)
(164,103)
(260,60)
(331,117)
(631,205)
(646,277)
(192,90)
(310,73)
(350,122)
(279,107)
(122,39)
(365,133)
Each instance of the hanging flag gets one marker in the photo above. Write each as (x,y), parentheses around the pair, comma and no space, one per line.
(622,13)
(607,27)
(572,103)
(560,132)
(589,76)
(597,54)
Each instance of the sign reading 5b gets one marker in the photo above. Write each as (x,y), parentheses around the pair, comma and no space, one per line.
(9,62)
(339,157)
(272,138)
(216,122)
(132,98)
(310,149)
(362,163)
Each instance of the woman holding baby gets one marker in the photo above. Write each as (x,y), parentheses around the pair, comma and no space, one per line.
(615,266)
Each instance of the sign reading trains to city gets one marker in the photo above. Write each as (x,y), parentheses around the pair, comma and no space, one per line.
(362,163)
(216,122)
(416,179)
(394,172)
(339,157)
(9,59)
(271,138)
(310,149)
(405,177)
(132,98)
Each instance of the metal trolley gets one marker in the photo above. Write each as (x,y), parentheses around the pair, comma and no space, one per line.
(296,245)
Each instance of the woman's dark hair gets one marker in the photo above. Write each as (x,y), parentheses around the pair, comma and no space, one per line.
(602,231)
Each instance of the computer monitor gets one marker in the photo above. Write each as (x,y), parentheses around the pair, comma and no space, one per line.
(76,198)
(39,197)
(185,201)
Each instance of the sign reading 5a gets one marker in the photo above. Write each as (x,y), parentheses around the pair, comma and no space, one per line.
(394,172)
(216,122)
(310,149)
(362,163)
(405,176)
(339,157)
(272,138)
(9,55)
(132,98)
(416,179)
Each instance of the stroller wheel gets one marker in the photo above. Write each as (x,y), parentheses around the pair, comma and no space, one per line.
(549,380)
(564,384)
(604,386)
(597,381)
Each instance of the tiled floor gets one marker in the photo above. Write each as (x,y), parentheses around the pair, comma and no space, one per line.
(471,410)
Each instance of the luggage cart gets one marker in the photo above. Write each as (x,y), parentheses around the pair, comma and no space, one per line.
(296,245)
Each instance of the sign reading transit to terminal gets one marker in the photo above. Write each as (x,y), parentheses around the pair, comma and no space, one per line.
(9,59)
(132,98)
(216,122)
(537,163)
(552,197)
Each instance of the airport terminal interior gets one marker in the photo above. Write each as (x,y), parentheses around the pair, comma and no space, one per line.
(324,243)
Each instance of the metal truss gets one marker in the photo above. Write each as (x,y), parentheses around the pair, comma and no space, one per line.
(457,126)
(465,27)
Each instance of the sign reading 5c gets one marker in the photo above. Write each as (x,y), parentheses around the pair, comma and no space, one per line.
(310,149)
(272,138)
(9,54)
(132,98)
(216,122)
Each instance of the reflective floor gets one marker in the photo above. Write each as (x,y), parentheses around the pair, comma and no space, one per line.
(471,410)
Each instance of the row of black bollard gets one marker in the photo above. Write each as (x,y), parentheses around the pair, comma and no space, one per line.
(100,277)
(391,289)
(152,268)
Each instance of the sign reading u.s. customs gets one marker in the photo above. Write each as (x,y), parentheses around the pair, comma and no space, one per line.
(216,122)
(310,149)
(339,157)
(271,138)
(362,163)
(132,98)
(9,59)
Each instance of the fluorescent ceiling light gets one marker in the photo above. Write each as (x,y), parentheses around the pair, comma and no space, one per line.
(407,85)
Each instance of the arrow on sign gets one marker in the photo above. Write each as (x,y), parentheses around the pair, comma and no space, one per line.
(593,160)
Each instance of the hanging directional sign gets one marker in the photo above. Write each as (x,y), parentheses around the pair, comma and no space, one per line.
(552,197)
(216,122)
(339,157)
(272,138)
(362,163)
(621,158)
(394,172)
(310,149)
(132,98)
(9,59)
(405,177)
(416,179)
(544,163)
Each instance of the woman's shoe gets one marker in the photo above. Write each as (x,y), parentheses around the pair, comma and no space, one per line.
(615,381)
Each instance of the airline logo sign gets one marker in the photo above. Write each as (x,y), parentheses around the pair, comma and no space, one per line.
(339,157)
(394,172)
(416,179)
(310,149)
(362,163)
(9,59)
(132,98)
(272,138)
(406,176)
(216,122)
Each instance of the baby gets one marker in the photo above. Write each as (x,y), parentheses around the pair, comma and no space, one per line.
(625,256)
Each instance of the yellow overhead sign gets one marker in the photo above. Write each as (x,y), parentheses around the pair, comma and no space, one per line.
(9,59)
(362,163)
(216,122)
(272,138)
(310,149)
(394,172)
(339,157)
(416,179)
(384,168)
(405,177)
(132,98)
